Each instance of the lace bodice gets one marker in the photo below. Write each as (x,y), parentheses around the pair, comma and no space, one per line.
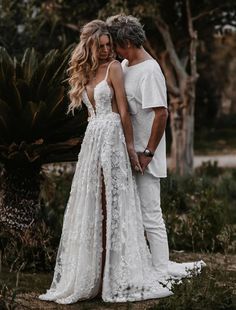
(103,94)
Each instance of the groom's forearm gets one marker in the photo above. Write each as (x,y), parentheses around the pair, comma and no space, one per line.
(158,128)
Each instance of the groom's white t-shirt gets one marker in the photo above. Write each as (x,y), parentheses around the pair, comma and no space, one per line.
(145,89)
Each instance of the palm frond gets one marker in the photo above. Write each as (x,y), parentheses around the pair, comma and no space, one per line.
(33,105)
(6,66)
(28,64)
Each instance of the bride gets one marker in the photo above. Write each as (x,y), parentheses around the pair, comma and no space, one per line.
(102,247)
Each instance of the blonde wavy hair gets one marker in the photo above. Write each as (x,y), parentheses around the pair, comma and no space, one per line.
(84,60)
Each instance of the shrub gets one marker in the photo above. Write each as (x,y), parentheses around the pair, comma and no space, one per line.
(197,210)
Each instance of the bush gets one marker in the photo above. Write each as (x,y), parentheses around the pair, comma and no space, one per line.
(32,250)
(7,298)
(35,249)
(209,290)
(197,210)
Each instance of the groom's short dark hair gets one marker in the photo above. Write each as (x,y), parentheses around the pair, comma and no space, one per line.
(125,28)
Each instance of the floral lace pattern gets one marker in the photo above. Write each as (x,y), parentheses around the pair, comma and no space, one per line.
(128,273)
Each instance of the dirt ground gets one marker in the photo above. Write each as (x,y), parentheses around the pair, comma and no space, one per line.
(30,301)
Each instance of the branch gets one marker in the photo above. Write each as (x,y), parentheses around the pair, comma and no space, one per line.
(175,61)
(184,61)
(171,82)
(193,42)
(173,90)
(189,18)
(209,12)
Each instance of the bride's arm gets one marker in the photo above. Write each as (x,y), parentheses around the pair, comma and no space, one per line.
(117,81)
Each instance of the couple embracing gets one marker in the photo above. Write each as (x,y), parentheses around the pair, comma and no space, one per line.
(115,192)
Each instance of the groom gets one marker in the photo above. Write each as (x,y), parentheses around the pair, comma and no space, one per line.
(146,94)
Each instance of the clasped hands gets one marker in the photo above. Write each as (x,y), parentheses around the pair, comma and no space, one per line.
(139,161)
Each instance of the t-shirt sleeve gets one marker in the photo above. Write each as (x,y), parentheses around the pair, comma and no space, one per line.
(123,63)
(153,90)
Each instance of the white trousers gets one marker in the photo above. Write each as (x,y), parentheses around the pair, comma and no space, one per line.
(149,192)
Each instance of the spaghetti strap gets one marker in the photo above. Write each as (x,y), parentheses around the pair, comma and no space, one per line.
(109,68)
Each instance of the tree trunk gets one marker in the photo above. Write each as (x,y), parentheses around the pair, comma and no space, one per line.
(181,88)
(19,196)
(182,131)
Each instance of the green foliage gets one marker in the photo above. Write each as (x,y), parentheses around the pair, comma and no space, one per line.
(43,24)
(209,169)
(55,24)
(35,249)
(197,210)
(34,129)
(33,104)
(54,195)
(198,201)
(7,298)
(210,291)
(31,250)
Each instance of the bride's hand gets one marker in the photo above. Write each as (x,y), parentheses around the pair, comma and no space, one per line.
(135,160)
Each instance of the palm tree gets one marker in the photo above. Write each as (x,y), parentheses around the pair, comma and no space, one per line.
(34,130)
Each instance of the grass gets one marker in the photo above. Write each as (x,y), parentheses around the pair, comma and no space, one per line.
(213,289)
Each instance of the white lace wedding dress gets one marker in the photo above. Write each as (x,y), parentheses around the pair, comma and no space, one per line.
(128,272)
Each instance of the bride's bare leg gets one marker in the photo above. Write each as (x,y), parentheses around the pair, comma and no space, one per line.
(104,212)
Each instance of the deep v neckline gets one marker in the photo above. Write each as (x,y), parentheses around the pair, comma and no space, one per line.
(104,80)
(90,102)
